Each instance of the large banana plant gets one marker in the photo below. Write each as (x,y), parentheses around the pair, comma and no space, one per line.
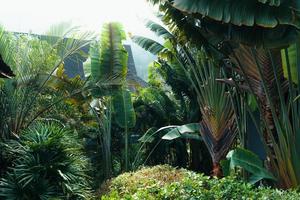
(108,80)
(218,128)
(264,13)
(251,22)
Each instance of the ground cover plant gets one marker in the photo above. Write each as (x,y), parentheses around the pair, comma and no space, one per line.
(165,182)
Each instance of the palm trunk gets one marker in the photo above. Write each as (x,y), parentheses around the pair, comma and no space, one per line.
(218,147)
(217,170)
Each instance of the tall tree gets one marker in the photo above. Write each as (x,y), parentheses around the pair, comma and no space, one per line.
(108,80)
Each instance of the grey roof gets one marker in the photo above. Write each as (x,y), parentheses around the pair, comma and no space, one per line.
(131,73)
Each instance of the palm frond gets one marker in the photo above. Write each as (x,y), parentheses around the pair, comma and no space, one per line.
(159,30)
(148,44)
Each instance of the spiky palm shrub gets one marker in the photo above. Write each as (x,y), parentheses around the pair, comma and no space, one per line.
(48,163)
(35,62)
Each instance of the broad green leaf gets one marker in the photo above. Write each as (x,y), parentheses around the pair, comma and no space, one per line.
(292,59)
(184,131)
(255,178)
(171,135)
(159,30)
(148,44)
(225,167)
(109,57)
(189,128)
(250,162)
(123,108)
(251,102)
(247,12)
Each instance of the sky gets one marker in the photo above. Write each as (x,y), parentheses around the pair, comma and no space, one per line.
(36,16)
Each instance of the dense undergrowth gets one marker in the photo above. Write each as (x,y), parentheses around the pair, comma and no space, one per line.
(165,182)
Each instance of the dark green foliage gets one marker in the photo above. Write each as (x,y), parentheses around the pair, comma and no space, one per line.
(153,104)
(48,163)
(246,12)
(109,58)
(148,44)
(164,182)
(248,161)
(109,87)
(161,109)
(270,24)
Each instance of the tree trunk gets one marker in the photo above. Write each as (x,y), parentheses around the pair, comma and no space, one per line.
(217,170)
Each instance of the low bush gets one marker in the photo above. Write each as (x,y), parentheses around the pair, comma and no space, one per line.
(165,182)
(47,163)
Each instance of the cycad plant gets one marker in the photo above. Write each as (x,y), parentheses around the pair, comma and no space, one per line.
(48,163)
(34,61)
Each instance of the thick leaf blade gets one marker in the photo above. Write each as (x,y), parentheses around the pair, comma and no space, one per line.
(172,135)
(248,12)
(148,44)
(187,131)
(123,108)
(250,162)
(109,57)
(189,128)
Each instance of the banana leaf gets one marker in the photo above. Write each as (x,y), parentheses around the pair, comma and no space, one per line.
(244,12)
(109,57)
(250,162)
(123,108)
(291,55)
(188,131)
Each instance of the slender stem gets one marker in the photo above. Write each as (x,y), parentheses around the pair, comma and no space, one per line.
(126,149)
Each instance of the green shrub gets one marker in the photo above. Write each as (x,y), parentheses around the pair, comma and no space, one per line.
(47,164)
(165,182)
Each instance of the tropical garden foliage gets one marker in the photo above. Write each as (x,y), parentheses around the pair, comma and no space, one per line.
(226,73)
